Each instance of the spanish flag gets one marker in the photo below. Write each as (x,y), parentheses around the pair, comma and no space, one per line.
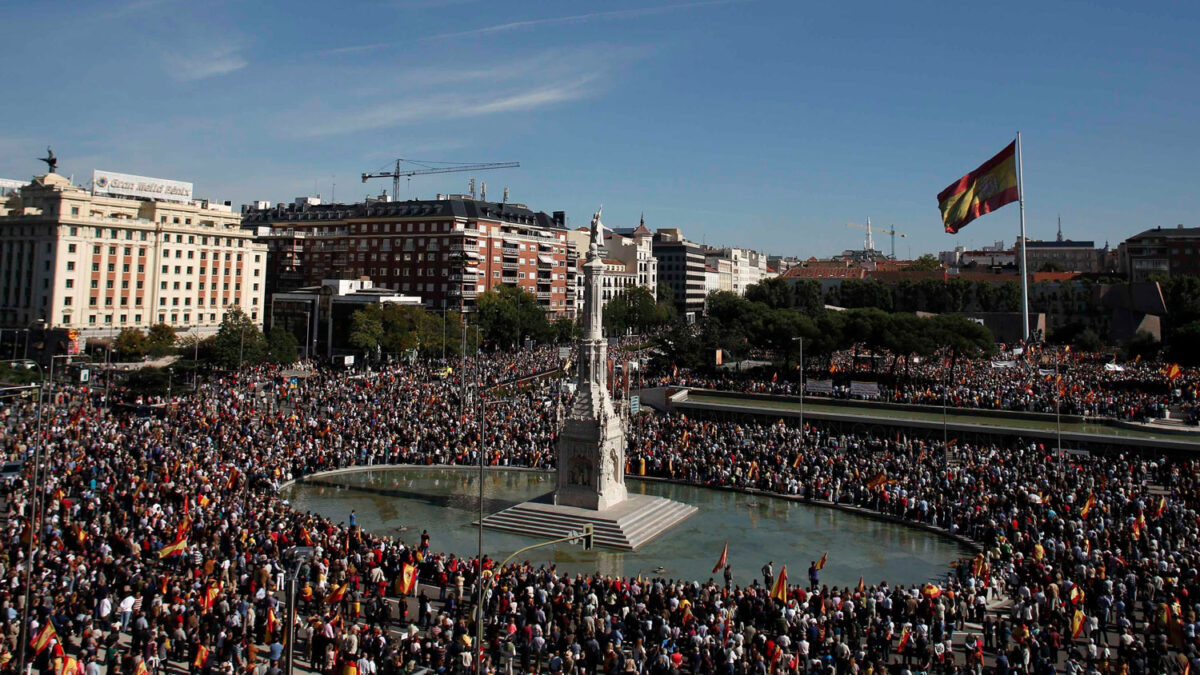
(201,657)
(723,559)
(408,578)
(982,191)
(141,668)
(1076,595)
(905,634)
(1077,622)
(336,594)
(43,638)
(861,586)
(71,666)
(780,590)
(1174,371)
(821,563)
(175,547)
(1162,506)
(1087,506)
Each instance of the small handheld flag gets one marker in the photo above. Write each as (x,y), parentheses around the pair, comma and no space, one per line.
(723,560)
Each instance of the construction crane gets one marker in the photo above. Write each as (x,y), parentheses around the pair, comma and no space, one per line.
(871,242)
(446,167)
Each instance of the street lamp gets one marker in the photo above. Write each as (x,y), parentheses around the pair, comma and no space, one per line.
(301,554)
(22,633)
(800,339)
(483,406)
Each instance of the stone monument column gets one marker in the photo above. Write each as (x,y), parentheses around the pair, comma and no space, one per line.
(591,450)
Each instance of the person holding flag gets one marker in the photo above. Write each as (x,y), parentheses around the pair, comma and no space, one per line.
(814,569)
(780,590)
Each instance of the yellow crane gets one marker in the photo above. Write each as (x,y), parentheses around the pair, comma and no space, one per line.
(882,230)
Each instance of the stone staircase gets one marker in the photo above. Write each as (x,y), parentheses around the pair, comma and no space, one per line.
(627,526)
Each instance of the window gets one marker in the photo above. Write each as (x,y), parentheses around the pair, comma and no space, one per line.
(108,284)
(91,318)
(67,300)
(71,265)
(96,250)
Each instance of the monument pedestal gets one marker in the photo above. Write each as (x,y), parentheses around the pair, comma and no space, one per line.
(627,525)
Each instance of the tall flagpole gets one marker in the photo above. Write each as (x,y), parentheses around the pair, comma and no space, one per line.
(1024,267)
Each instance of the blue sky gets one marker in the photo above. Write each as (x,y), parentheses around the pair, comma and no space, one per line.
(759,123)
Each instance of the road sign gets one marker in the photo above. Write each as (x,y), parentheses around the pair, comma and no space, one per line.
(635,404)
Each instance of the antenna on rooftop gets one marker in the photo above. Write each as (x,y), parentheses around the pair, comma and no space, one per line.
(471,187)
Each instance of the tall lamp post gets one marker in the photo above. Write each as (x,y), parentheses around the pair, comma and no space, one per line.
(22,633)
(800,339)
(301,554)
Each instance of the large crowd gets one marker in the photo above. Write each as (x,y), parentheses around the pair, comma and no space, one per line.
(163,544)
(1087,385)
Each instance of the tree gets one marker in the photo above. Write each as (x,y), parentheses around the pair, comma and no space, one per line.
(1142,344)
(1088,341)
(1052,266)
(806,297)
(865,293)
(565,330)
(1182,347)
(131,344)
(926,263)
(774,293)
(148,381)
(161,339)
(281,345)
(238,340)
(508,314)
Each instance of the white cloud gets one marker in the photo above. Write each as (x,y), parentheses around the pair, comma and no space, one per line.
(465,90)
(205,63)
(582,18)
(434,107)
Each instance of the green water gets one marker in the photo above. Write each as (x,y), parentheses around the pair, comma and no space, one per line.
(402,502)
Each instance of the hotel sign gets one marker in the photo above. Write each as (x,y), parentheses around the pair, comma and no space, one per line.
(109,183)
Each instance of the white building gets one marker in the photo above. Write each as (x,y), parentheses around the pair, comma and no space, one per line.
(98,261)
(738,268)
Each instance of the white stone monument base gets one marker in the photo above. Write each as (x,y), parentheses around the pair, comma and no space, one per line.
(626,526)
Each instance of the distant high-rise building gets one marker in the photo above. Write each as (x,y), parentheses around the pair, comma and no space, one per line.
(681,268)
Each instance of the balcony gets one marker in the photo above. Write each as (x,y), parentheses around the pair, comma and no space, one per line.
(509,278)
(507,265)
(543,295)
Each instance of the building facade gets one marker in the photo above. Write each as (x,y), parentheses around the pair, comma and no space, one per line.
(1162,251)
(446,251)
(681,268)
(739,268)
(98,264)
(1065,254)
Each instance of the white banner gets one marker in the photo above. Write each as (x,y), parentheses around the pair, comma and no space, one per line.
(1004,364)
(819,386)
(1114,368)
(864,388)
(109,183)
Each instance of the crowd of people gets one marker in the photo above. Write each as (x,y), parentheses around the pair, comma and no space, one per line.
(1088,385)
(159,542)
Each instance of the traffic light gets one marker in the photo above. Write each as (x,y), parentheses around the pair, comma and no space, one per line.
(588,536)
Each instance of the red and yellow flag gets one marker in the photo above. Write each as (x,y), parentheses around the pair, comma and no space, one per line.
(175,547)
(1162,506)
(1174,371)
(336,594)
(43,638)
(1077,622)
(905,634)
(780,590)
(1087,506)
(201,657)
(821,563)
(408,579)
(723,560)
(141,668)
(982,191)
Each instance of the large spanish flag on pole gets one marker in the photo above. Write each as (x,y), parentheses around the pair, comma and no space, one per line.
(982,191)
